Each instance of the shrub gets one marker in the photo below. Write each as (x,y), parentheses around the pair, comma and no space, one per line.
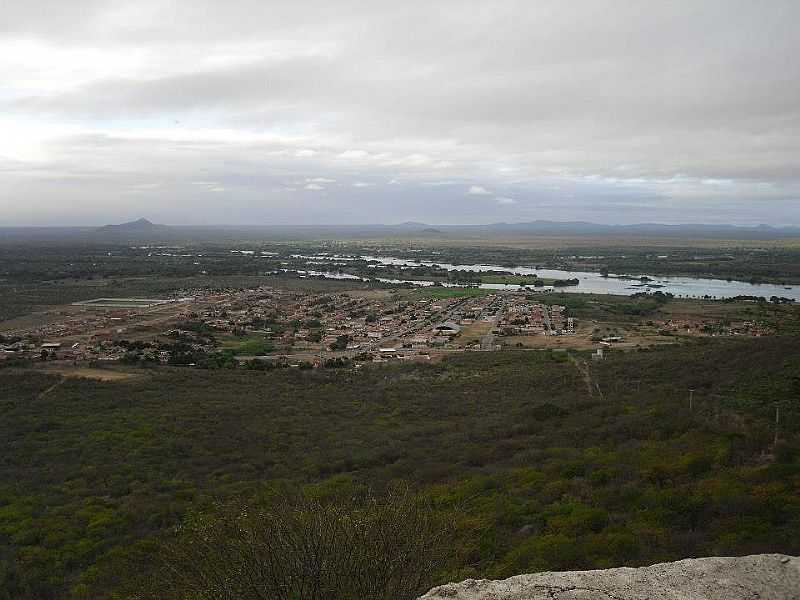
(304,548)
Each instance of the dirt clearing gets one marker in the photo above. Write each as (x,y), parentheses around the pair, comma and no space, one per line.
(91,373)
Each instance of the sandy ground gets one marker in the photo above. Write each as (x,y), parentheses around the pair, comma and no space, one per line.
(370,294)
(471,334)
(582,339)
(44,315)
(704,310)
(90,373)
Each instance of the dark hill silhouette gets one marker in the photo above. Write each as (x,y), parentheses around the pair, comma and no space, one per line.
(138,229)
(137,225)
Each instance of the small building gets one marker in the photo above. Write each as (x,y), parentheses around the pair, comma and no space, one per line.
(419,341)
(447,328)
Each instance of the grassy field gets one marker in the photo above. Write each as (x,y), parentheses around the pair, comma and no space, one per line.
(447,292)
(250,345)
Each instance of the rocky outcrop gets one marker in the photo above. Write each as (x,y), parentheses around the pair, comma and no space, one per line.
(757,577)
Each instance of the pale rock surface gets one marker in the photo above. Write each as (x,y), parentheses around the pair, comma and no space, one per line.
(757,577)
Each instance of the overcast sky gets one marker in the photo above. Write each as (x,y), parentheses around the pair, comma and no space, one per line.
(259,112)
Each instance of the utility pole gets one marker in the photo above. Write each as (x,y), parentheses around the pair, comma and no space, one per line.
(777,422)
(691,399)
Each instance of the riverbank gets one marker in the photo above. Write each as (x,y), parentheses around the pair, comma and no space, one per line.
(588,282)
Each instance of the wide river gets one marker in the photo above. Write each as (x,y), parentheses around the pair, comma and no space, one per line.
(589,282)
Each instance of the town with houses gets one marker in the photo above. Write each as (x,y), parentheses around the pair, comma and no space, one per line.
(265,327)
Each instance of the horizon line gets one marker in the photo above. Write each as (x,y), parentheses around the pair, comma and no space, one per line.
(410,223)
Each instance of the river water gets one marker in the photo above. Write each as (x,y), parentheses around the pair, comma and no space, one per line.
(589,282)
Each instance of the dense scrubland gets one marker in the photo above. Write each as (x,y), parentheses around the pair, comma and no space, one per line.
(543,460)
(536,459)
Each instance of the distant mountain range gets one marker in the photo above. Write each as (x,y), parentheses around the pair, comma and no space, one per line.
(541,227)
(144,230)
(638,229)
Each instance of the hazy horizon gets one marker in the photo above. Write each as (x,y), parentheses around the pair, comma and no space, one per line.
(325,114)
(411,225)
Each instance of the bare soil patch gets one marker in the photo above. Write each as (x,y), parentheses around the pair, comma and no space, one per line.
(475,331)
(91,373)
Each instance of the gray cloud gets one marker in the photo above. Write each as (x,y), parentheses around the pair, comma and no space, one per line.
(602,110)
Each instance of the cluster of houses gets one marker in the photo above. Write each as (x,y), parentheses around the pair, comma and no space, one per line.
(310,322)
(523,317)
(27,348)
(714,327)
(288,323)
(89,331)
(71,323)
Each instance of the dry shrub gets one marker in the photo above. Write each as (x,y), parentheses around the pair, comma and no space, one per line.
(302,548)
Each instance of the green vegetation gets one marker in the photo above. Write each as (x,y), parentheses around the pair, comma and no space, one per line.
(304,547)
(776,262)
(538,469)
(37,275)
(638,308)
(527,280)
(449,292)
(249,346)
(539,460)
(514,280)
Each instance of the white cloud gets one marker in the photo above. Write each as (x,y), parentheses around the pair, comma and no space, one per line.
(353,154)
(503,200)
(411,160)
(38,67)
(477,190)
(362,184)
(579,102)
(314,187)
